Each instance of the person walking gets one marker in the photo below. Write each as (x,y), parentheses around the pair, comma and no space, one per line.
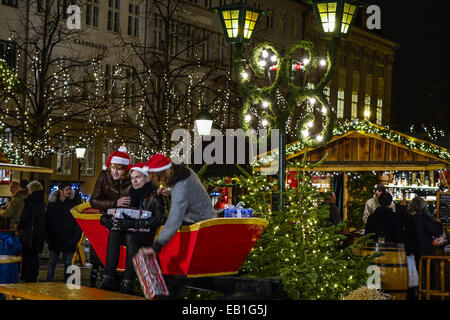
(372,204)
(62,232)
(143,196)
(31,230)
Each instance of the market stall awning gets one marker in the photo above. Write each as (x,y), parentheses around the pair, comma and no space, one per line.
(18,167)
(363,146)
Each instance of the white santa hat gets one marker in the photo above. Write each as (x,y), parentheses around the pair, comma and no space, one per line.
(139,167)
(119,157)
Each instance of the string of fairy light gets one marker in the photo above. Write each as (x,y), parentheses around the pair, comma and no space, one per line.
(300,224)
(370,128)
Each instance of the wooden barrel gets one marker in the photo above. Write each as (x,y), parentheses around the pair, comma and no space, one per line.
(383,178)
(393,266)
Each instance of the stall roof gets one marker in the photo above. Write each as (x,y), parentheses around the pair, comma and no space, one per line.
(18,167)
(364,146)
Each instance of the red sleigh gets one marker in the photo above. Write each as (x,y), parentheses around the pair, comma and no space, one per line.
(208,248)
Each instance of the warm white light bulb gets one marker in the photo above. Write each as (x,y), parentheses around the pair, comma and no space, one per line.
(310,124)
(244,75)
(264,122)
(262,63)
(324,110)
(312,100)
(305,61)
(273,58)
(323,62)
(305,133)
(265,54)
(319,138)
(265,104)
(248,117)
(367,113)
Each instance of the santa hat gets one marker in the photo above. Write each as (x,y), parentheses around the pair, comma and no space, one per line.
(158,162)
(118,157)
(139,167)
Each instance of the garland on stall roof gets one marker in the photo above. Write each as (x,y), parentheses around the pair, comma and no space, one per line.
(368,127)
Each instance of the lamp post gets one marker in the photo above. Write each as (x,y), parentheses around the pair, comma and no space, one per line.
(204,120)
(334,18)
(80,153)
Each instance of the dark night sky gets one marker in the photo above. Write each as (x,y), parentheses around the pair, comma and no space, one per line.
(421,85)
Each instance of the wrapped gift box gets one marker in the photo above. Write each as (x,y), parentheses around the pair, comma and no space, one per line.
(237,213)
(117,213)
(150,275)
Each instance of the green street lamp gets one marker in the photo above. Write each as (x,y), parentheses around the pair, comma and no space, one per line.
(334,17)
(238,21)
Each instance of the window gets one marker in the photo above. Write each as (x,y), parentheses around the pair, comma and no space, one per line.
(11,3)
(309,104)
(367,107)
(8,53)
(223,50)
(64,157)
(380,71)
(340,104)
(379,111)
(354,105)
(87,164)
(326,92)
(108,148)
(92,10)
(158,32)
(133,20)
(269,18)
(295,27)
(343,60)
(114,15)
(283,22)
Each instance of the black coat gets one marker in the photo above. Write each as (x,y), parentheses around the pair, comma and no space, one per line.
(419,230)
(385,223)
(146,198)
(62,232)
(32,222)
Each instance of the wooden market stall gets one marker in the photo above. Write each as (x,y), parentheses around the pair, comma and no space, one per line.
(363,146)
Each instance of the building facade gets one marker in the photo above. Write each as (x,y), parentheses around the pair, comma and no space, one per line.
(191,32)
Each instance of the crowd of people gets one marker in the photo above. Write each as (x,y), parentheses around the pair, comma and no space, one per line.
(413,225)
(147,186)
(36,223)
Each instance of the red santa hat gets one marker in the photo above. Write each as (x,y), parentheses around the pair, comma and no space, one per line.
(118,157)
(158,162)
(139,167)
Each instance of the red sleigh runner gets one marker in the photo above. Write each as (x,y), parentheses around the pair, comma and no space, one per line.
(211,247)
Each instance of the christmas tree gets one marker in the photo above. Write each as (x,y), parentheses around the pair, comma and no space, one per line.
(300,246)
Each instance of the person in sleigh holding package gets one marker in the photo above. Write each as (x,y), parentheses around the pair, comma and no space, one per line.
(143,196)
(190,203)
